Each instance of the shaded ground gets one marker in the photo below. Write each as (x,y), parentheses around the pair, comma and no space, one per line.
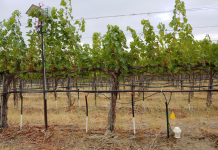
(64,137)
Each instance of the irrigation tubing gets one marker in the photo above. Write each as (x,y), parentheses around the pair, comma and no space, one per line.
(127,84)
(137,86)
(133,85)
(197,81)
(88,91)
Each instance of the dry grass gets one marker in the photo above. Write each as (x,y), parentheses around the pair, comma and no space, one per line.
(67,124)
(152,117)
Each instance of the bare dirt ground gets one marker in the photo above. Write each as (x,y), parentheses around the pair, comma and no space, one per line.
(65,137)
(67,124)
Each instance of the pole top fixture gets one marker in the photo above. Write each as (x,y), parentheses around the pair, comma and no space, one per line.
(31,8)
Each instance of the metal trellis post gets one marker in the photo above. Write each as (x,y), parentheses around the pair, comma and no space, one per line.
(3,83)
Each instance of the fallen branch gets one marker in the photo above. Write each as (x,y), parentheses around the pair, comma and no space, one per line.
(154,140)
(44,138)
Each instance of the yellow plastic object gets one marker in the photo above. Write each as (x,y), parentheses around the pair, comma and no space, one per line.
(173,116)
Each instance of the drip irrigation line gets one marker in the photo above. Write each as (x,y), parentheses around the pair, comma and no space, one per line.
(171,82)
(84,91)
(137,86)
(146,87)
(173,86)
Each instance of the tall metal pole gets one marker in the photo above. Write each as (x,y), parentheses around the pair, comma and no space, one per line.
(21,106)
(3,83)
(95,86)
(189,96)
(78,97)
(167,119)
(143,99)
(86,114)
(44,80)
(56,93)
(133,115)
(69,88)
(111,118)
